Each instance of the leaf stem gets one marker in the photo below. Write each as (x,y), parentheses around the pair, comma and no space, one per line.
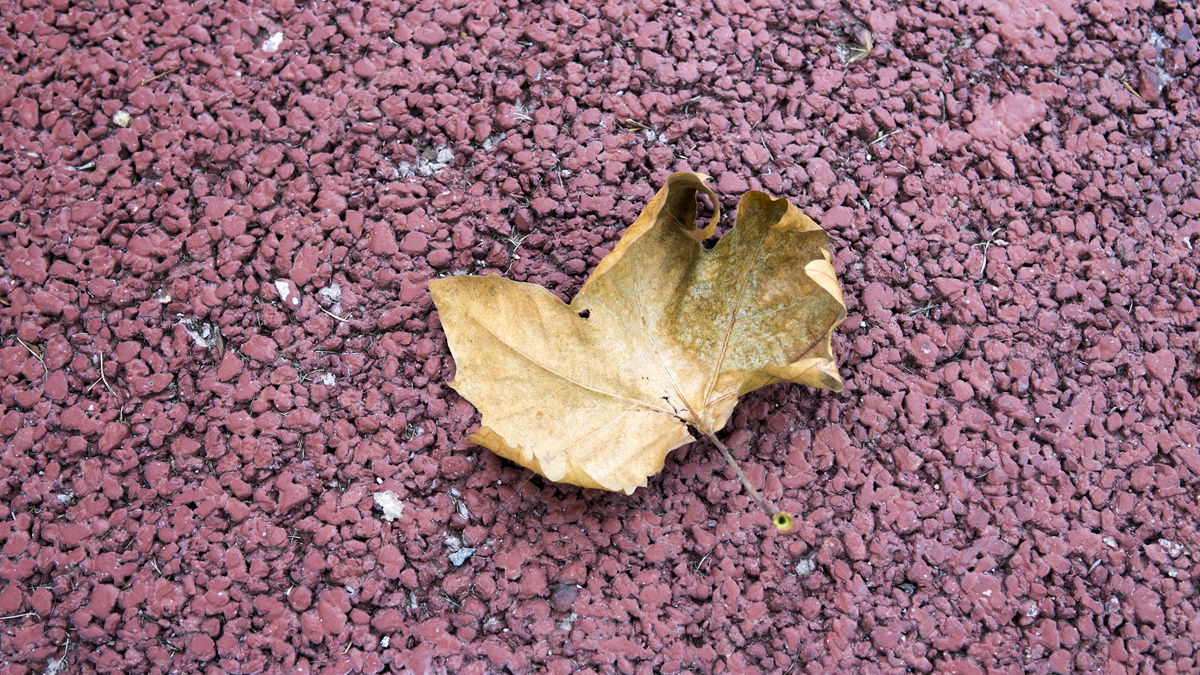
(782,520)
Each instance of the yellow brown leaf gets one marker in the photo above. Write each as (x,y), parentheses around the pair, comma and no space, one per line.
(664,335)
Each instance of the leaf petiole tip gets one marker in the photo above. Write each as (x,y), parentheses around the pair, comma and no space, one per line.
(783,521)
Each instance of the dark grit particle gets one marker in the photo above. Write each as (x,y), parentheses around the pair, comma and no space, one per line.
(228,441)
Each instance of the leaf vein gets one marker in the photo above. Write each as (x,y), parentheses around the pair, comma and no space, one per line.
(561,376)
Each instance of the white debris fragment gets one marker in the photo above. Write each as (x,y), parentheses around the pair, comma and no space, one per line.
(326,379)
(332,292)
(285,292)
(1171,548)
(389,502)
(429,162)
(122,119)
(203,337)
(461,556)
(806,567)
(272,43)
(56,666)
(1110,542)
(387,640)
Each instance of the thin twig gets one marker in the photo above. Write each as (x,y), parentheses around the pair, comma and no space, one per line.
(881,137)
(1132,91)
(103,379)
(334,315)
(148,80)
(986,245)
(17,616)
(66,652)
(37,355)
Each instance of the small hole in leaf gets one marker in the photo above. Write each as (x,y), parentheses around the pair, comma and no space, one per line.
(585,313)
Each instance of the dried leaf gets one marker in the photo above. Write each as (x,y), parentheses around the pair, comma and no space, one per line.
(664,335)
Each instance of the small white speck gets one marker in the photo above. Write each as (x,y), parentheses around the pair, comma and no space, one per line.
(387,640)
(122,119)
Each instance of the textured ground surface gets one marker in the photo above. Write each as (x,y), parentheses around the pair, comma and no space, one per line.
(217,230)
